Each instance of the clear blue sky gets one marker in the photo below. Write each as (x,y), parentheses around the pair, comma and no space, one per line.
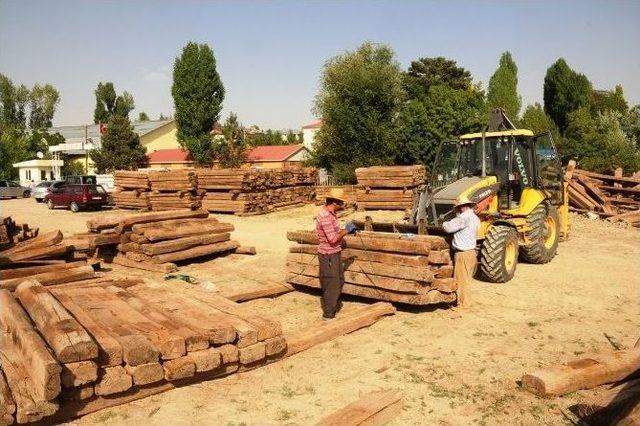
(270,53)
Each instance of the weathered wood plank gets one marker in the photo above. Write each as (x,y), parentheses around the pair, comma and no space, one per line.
(64,334)
(42,367)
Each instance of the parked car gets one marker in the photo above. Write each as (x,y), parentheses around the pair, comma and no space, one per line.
(82,179)
(40,190)
(9,189)
(77,197)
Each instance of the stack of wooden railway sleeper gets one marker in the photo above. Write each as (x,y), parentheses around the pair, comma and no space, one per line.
(174,189)
(73,344)
(132,189)
(414,269)
(388,187)
(254,191)
(156,240)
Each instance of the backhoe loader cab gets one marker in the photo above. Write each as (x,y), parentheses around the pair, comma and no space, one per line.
(515,179)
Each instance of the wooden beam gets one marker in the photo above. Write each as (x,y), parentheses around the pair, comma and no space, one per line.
(64,334)
(407,246)
(373,408)
(584,373)
(33,270)
(53,277)
(328,330)
(258,292)
(43,369)
(163,268)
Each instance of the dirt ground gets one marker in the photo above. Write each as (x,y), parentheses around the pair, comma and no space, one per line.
(453,370)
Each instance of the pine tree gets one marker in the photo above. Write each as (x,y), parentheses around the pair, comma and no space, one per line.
(121,148)
(142,116)
(503,87)
(197,95)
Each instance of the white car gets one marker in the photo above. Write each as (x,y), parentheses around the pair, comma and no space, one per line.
(40,190)
(10,189)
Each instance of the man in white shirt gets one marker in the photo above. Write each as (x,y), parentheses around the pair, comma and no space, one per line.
(464,228)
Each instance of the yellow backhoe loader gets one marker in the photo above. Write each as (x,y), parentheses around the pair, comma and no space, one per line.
(516,180)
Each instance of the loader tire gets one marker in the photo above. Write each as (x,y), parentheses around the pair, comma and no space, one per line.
(499,254)
(544,234)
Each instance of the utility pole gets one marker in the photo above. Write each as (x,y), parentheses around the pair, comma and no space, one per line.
(86,153)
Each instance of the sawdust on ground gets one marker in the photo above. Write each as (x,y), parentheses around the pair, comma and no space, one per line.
(452,370)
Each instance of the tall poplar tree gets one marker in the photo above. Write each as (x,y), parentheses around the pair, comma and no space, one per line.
(198,93)
(503,87)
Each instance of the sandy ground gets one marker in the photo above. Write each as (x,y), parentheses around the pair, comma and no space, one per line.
(452,370)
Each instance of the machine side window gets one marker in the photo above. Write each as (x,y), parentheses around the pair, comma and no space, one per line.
(549,170)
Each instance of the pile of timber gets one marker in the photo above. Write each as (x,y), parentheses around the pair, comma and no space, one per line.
(47,256)
(77,344)
(349,191)
(616,405)
(388,187)
(132,189)
(615,197)
(174,189)
(155,241)
(11,232)
(255,191)
(415,270)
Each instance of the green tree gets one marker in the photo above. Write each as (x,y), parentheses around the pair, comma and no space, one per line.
(105,102)
(22,96)
(503,87)
(599,143)
(197,96)
(142,116)
(535,119)
(109,103)
(360,95)
(43,101)
(7,101)
(12,150)
(231,151)
(413,132)
(426,72)
(121,148)
(564,92)
(124,104)
(630,123)
(609,100)
(162,117)
(291,138)
(267,137)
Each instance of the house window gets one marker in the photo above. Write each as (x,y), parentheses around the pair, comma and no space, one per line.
(43,175)
(28,174)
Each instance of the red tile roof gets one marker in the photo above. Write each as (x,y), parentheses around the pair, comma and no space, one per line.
(169,156)
(259,153)
(273,152)
(313,125)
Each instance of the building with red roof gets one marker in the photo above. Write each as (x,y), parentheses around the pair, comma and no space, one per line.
(264,157)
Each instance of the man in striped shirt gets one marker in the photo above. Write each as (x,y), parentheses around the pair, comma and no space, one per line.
(329,247)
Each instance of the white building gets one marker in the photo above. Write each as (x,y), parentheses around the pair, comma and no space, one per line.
(309,134)
(32,172)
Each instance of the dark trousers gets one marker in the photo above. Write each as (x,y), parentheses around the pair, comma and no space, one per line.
(331,283)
